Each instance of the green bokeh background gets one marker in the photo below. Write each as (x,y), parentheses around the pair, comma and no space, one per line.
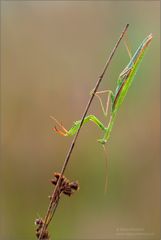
(52,53)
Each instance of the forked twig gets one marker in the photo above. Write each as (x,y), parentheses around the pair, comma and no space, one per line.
(56,193)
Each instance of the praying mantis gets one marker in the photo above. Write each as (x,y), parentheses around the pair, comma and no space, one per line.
(124,82)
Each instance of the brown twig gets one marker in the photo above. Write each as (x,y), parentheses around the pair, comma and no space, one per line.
(56,193)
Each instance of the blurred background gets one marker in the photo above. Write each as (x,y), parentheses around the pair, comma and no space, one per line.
(52,53)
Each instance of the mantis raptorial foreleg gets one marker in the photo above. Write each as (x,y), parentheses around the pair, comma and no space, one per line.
(64,132)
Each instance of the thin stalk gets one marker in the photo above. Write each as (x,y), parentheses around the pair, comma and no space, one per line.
(56,192)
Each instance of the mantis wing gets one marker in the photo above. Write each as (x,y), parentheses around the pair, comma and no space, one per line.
(126,77)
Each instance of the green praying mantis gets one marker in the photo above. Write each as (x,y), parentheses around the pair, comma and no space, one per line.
(124,82)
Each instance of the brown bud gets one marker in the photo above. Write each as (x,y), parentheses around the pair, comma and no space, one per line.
(74,185)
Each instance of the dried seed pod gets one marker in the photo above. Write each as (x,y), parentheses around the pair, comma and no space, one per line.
(45,235)
(67,187)
(74,186)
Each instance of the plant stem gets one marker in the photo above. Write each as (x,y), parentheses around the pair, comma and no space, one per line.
(55,195)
